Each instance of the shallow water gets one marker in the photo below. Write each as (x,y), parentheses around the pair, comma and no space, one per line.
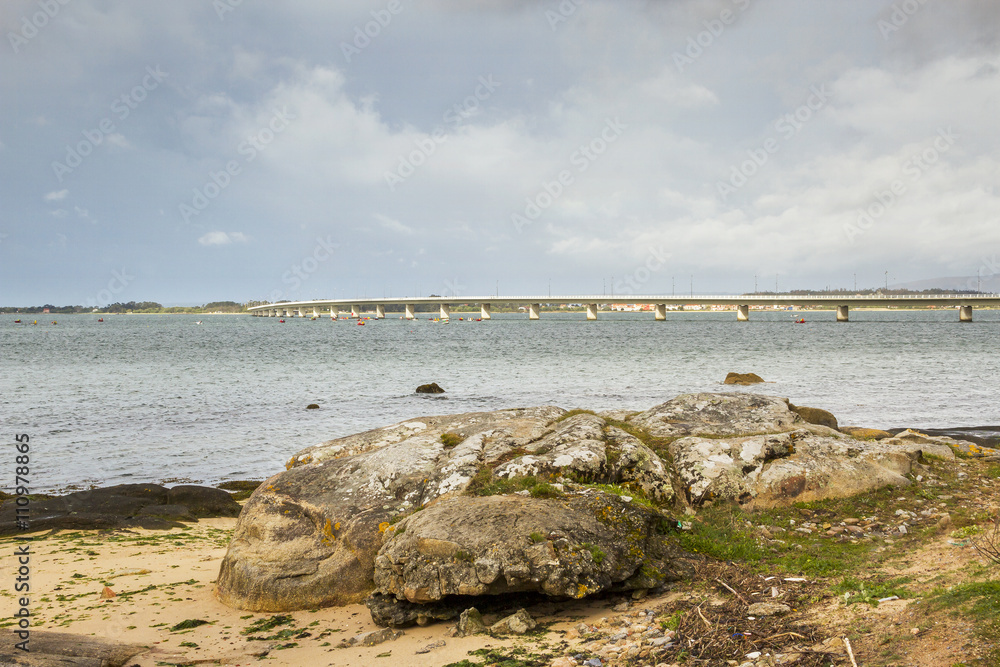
(158,398)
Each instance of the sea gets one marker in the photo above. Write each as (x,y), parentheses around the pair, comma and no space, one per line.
(164,398)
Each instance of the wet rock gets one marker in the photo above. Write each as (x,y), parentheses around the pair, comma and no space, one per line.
(768,609)
(742,378)
(815,416)
(481,546)
(517,623)
(312,406)
(203,500)
(176,512)
(432,388)
(122,506)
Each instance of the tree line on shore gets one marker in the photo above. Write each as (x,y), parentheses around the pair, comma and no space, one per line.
(131,307)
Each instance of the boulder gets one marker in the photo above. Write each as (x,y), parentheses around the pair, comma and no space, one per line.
(325,518)
(470,622)
(312,406)
(742,378)
(815,416)
(307,537)
(585,544)
(784,468)
(517,623)
(940,446)
(723,414)
(432,388)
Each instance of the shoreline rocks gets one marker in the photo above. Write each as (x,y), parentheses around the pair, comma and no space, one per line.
(122,506)
(423,517)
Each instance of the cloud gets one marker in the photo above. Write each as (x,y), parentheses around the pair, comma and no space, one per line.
(223,238)
(56,195)
(83,213)
(393,225)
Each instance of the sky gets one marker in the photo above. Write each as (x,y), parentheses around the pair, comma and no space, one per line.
(202,150)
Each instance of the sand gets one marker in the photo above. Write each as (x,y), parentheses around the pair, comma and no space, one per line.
(162,578)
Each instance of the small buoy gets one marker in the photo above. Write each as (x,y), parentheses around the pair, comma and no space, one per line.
(361,323)
(281,321)
(99,319)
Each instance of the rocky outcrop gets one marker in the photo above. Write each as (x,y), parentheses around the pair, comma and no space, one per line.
(434,513)
(797,466)
(742,378)
(722,414)
(815,416)
(308,537)
(862,433)
(432,388)
(587,543)
(122,506)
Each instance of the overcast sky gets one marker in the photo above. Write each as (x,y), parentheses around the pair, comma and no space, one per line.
(192,150)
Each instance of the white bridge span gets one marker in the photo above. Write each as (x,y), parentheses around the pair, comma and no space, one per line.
(964,303)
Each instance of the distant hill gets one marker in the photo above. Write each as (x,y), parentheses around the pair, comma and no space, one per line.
(989,283)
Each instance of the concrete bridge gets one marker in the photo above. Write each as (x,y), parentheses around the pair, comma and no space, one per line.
(963,303)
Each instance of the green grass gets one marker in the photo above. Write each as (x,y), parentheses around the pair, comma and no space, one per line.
(450,440)
(869,592)
(574,413)
(979,602)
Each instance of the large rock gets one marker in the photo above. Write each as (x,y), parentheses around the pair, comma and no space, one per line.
(784,468)
(308,536)
(122,506)
(724,414)
(585,544)
(742,378)
(815,415)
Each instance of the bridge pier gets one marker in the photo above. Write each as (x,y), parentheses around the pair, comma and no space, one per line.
(288,312)
(661,312)
(743,312)
(445,313)
(409,311)
(301,312)
(842,315)
(965,313)
(533,309)
(591,311)
(379,311)
(315,313)
(484,311)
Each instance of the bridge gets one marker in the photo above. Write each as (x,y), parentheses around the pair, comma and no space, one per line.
(742,303)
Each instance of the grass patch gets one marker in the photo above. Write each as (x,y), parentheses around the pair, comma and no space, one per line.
(536,537)
(264,624)
(545,490)
(188,624)
(574,413)
(853,591)
(450,440)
